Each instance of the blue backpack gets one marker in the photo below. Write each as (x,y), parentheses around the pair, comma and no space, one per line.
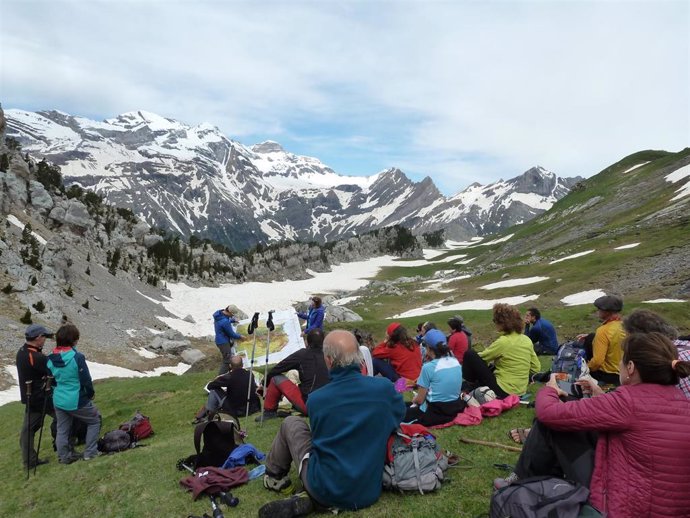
(569,359)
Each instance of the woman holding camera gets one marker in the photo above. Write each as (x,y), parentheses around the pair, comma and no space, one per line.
(637,464)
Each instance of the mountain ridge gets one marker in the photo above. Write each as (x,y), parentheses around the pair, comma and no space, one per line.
(195,180)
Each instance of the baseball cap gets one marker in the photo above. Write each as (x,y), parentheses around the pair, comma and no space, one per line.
(35,330)
(392,327)
(434,337)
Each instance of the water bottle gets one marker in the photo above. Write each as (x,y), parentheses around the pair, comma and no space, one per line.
(257,472)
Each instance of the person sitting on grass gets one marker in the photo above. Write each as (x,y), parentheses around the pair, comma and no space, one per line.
(605,352)
(637,464)
(458,341)
(639,321)
(228,392)
(512,354)
(313,374)
(438,398)
(340,459)
(73,395)
(402,353)
(541,332)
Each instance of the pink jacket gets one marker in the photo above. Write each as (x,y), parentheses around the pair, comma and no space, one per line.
(642,462)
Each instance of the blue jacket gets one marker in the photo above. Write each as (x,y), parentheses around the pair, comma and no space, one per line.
(543,332)
(351,419)
(314,318)
(223,327)
(73,385)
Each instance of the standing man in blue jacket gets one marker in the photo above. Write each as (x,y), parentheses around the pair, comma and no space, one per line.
(340,459)
(541,332)
(73,395)
(314,316)
(223,319)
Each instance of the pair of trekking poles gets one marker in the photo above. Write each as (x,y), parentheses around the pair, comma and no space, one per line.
(47,387)
(252,327)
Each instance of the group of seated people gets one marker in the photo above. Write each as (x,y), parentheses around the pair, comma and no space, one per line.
(602,442)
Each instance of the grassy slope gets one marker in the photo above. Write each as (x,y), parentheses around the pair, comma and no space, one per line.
(144,482)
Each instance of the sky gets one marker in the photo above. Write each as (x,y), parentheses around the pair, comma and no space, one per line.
(461,91)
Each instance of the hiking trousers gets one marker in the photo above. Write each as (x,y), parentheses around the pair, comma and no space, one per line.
(226,352)
(90,416)
(281,386)
(548,452)
(31,425)
(292,443)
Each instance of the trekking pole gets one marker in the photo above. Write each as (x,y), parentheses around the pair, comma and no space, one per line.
(46,388)
(250,330)
(270,326)
(27,420)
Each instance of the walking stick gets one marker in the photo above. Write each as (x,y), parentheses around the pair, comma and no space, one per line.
(250,330)
(270,326)
(47,388)
(28,426)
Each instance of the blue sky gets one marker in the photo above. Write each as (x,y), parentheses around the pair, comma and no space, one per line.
(459,91)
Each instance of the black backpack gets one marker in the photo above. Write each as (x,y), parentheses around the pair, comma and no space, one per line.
(539,497)
(115,441)
(220,435)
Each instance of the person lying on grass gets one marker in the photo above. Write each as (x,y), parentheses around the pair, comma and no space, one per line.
(628,446)
(339,459)
(438,398)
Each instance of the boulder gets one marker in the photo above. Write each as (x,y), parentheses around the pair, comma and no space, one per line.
(159,343)
(58,214)
(140,230)
(152,239)
(341,314)
(190,319)
(40,198)
(77,215)
(172,334)
(16,187)
(192,356)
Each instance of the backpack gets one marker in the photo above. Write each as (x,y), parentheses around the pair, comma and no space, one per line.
(117,440)
(414,461)
(569,360)
(220,435)
(139,427)
(539,497)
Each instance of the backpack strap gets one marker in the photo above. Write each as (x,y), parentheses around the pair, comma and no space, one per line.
(417,469)
(198,431)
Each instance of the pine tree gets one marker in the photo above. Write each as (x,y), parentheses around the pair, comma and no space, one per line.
(26,319)
(85,305)
(34,280)
(39,306)
(88,271)
(8,289)
(69,292)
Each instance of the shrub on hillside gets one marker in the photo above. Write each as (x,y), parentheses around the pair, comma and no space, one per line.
(26,319)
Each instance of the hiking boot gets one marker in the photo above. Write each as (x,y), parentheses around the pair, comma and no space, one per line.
(268,414)
(500,483)
(298,505)
(72,457)
(90,457)
(279,485)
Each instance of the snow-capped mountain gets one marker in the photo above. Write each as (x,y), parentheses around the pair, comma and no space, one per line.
(193,179)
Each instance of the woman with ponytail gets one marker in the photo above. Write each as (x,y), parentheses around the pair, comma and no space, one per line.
(640,455)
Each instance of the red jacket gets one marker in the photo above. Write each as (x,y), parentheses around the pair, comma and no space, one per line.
(642,461)
(406,363)
(457,342)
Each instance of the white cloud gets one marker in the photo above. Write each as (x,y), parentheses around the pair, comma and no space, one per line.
(460,91)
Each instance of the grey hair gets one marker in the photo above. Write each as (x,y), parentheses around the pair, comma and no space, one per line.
(340,356)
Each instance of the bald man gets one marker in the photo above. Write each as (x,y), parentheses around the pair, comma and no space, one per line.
(228,392)
(340,460)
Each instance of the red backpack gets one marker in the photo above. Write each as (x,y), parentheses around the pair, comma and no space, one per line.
(139,427)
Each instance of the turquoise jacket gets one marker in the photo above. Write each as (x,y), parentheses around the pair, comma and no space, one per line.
(351,419)
(73,384)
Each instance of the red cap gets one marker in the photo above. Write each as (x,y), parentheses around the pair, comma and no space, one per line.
(392,327)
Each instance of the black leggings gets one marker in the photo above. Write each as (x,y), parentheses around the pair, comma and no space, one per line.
(476,373)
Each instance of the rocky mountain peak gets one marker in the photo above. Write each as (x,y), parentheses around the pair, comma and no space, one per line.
(268,146)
